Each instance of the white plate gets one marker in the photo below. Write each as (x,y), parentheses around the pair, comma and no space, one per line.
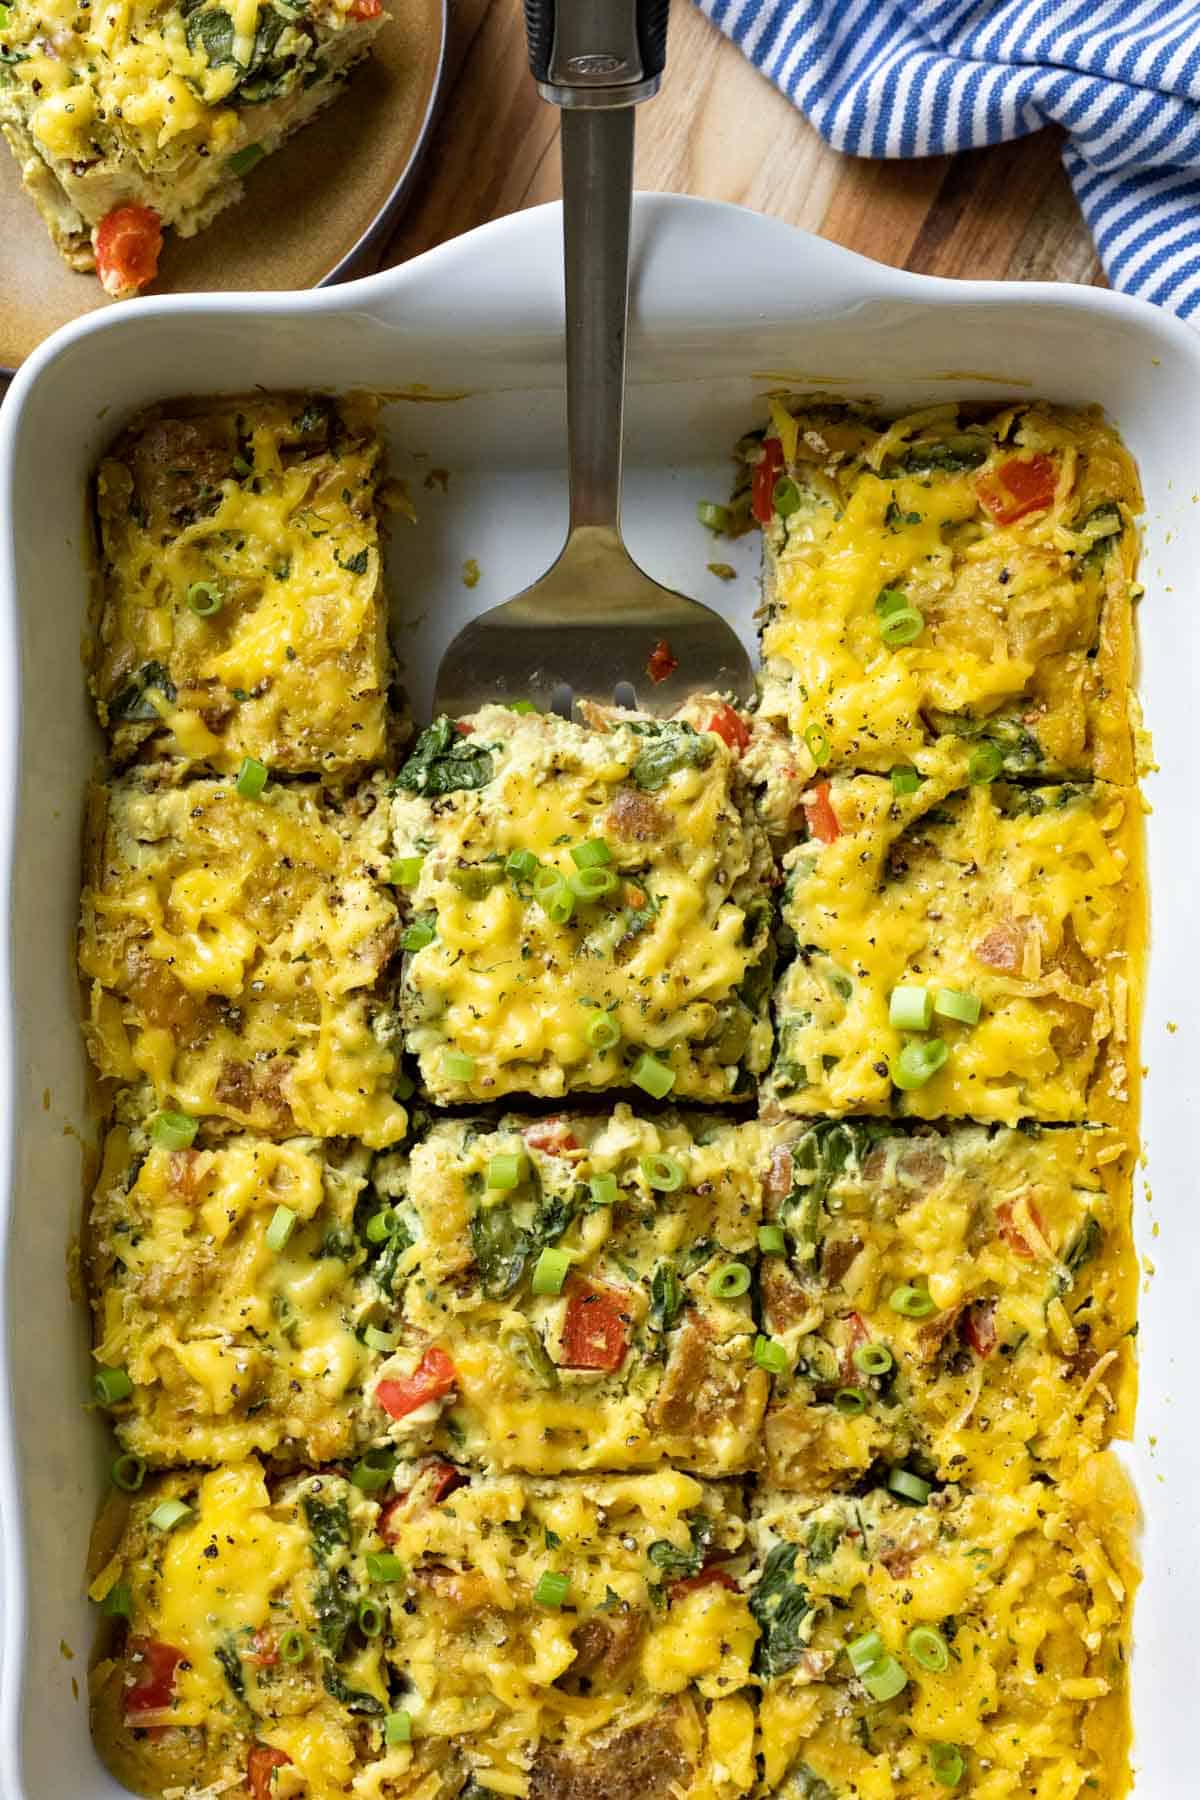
(726,304)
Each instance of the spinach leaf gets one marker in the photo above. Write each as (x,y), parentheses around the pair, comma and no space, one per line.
(502,1249)
(353,1699)
(130,701)
(806,1784)
(667,1298)
(1019,747)
(679,1563)
(231,1667)
(675,746)
(939,458)
(334,1609)
(1082,1248)
(211,34)
(823,1539)
(357,564)
(779,1606)
(445,761)
(328,1524)
(387,1263)
(823,1153)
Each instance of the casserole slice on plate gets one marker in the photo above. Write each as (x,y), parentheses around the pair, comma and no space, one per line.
(128,120)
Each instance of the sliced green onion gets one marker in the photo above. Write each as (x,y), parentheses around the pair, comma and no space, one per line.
(914,1064)
(418,934)
(912,1302)
(715,517)
(458,1066)
(521,863)
(864,1652)
(251,778)
(370,1618)
(546,884)
(382,1225)
(593,884)
(283,1223)
(909,1487)
(953,1003)
(730,1280)
(384,1565)
(984,763)
(383,1341)
(168,1514)
(405,871)
(111,1386)
(946,1764)
(771,1355)
(665,1173)
(476,880)
(901,627)
(293,1646)
(551,1589)
(520,706)
(118,1602)
(927,1648)
(653,1077)
(873,1359)
(172,1131)
(550,1271)
(603,1189)
(771,1240)
(817,744)
(889,601)
(910,1009)
(850,1402)
(242,161)
(128,1473)
(603,1032)
(373,1470)
(593,853)
(885,1679)
(785,497)
(904,781)
(559,908)
(506,1170)
(204,598)
(397,1728)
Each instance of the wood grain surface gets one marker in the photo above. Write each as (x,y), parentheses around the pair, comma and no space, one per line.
(720,129)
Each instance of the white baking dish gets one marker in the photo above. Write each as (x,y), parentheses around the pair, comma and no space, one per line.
(726,304)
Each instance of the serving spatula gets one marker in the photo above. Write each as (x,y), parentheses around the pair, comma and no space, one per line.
(595,627)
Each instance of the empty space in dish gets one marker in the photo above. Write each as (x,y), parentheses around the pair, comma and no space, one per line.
(727,305)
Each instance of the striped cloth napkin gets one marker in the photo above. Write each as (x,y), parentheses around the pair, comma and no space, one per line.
(919,77)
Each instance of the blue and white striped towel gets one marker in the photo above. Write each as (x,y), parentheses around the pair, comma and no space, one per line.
(918,77)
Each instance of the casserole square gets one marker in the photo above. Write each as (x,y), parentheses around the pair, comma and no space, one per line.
(249,1633)
(910,591)
(236,955)
(241,608)
(587,1635)
(962,1294)
(224,1283)
(1023,901)
(589,907)
(567,1267)
(995,1624)
(162,107)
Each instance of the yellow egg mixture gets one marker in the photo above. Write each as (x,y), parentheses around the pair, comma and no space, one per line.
(633,1451)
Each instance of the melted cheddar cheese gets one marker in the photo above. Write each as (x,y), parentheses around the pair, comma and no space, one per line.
(1025,897)
(673,954)
(129,102)
(242,610)
(231,1345)
(236,952)
(642,1218)
(1014,1359)
(1023,629)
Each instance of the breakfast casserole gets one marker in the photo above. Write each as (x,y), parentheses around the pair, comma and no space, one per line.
(241,606)
(128,119)
(588,1279)
(588,907)
(742,1428)
(236,947)
(954,571)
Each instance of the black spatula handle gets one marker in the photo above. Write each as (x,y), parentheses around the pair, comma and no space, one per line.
(597,53)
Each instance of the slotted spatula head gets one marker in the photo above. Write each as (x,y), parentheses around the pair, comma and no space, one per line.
(595,627)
